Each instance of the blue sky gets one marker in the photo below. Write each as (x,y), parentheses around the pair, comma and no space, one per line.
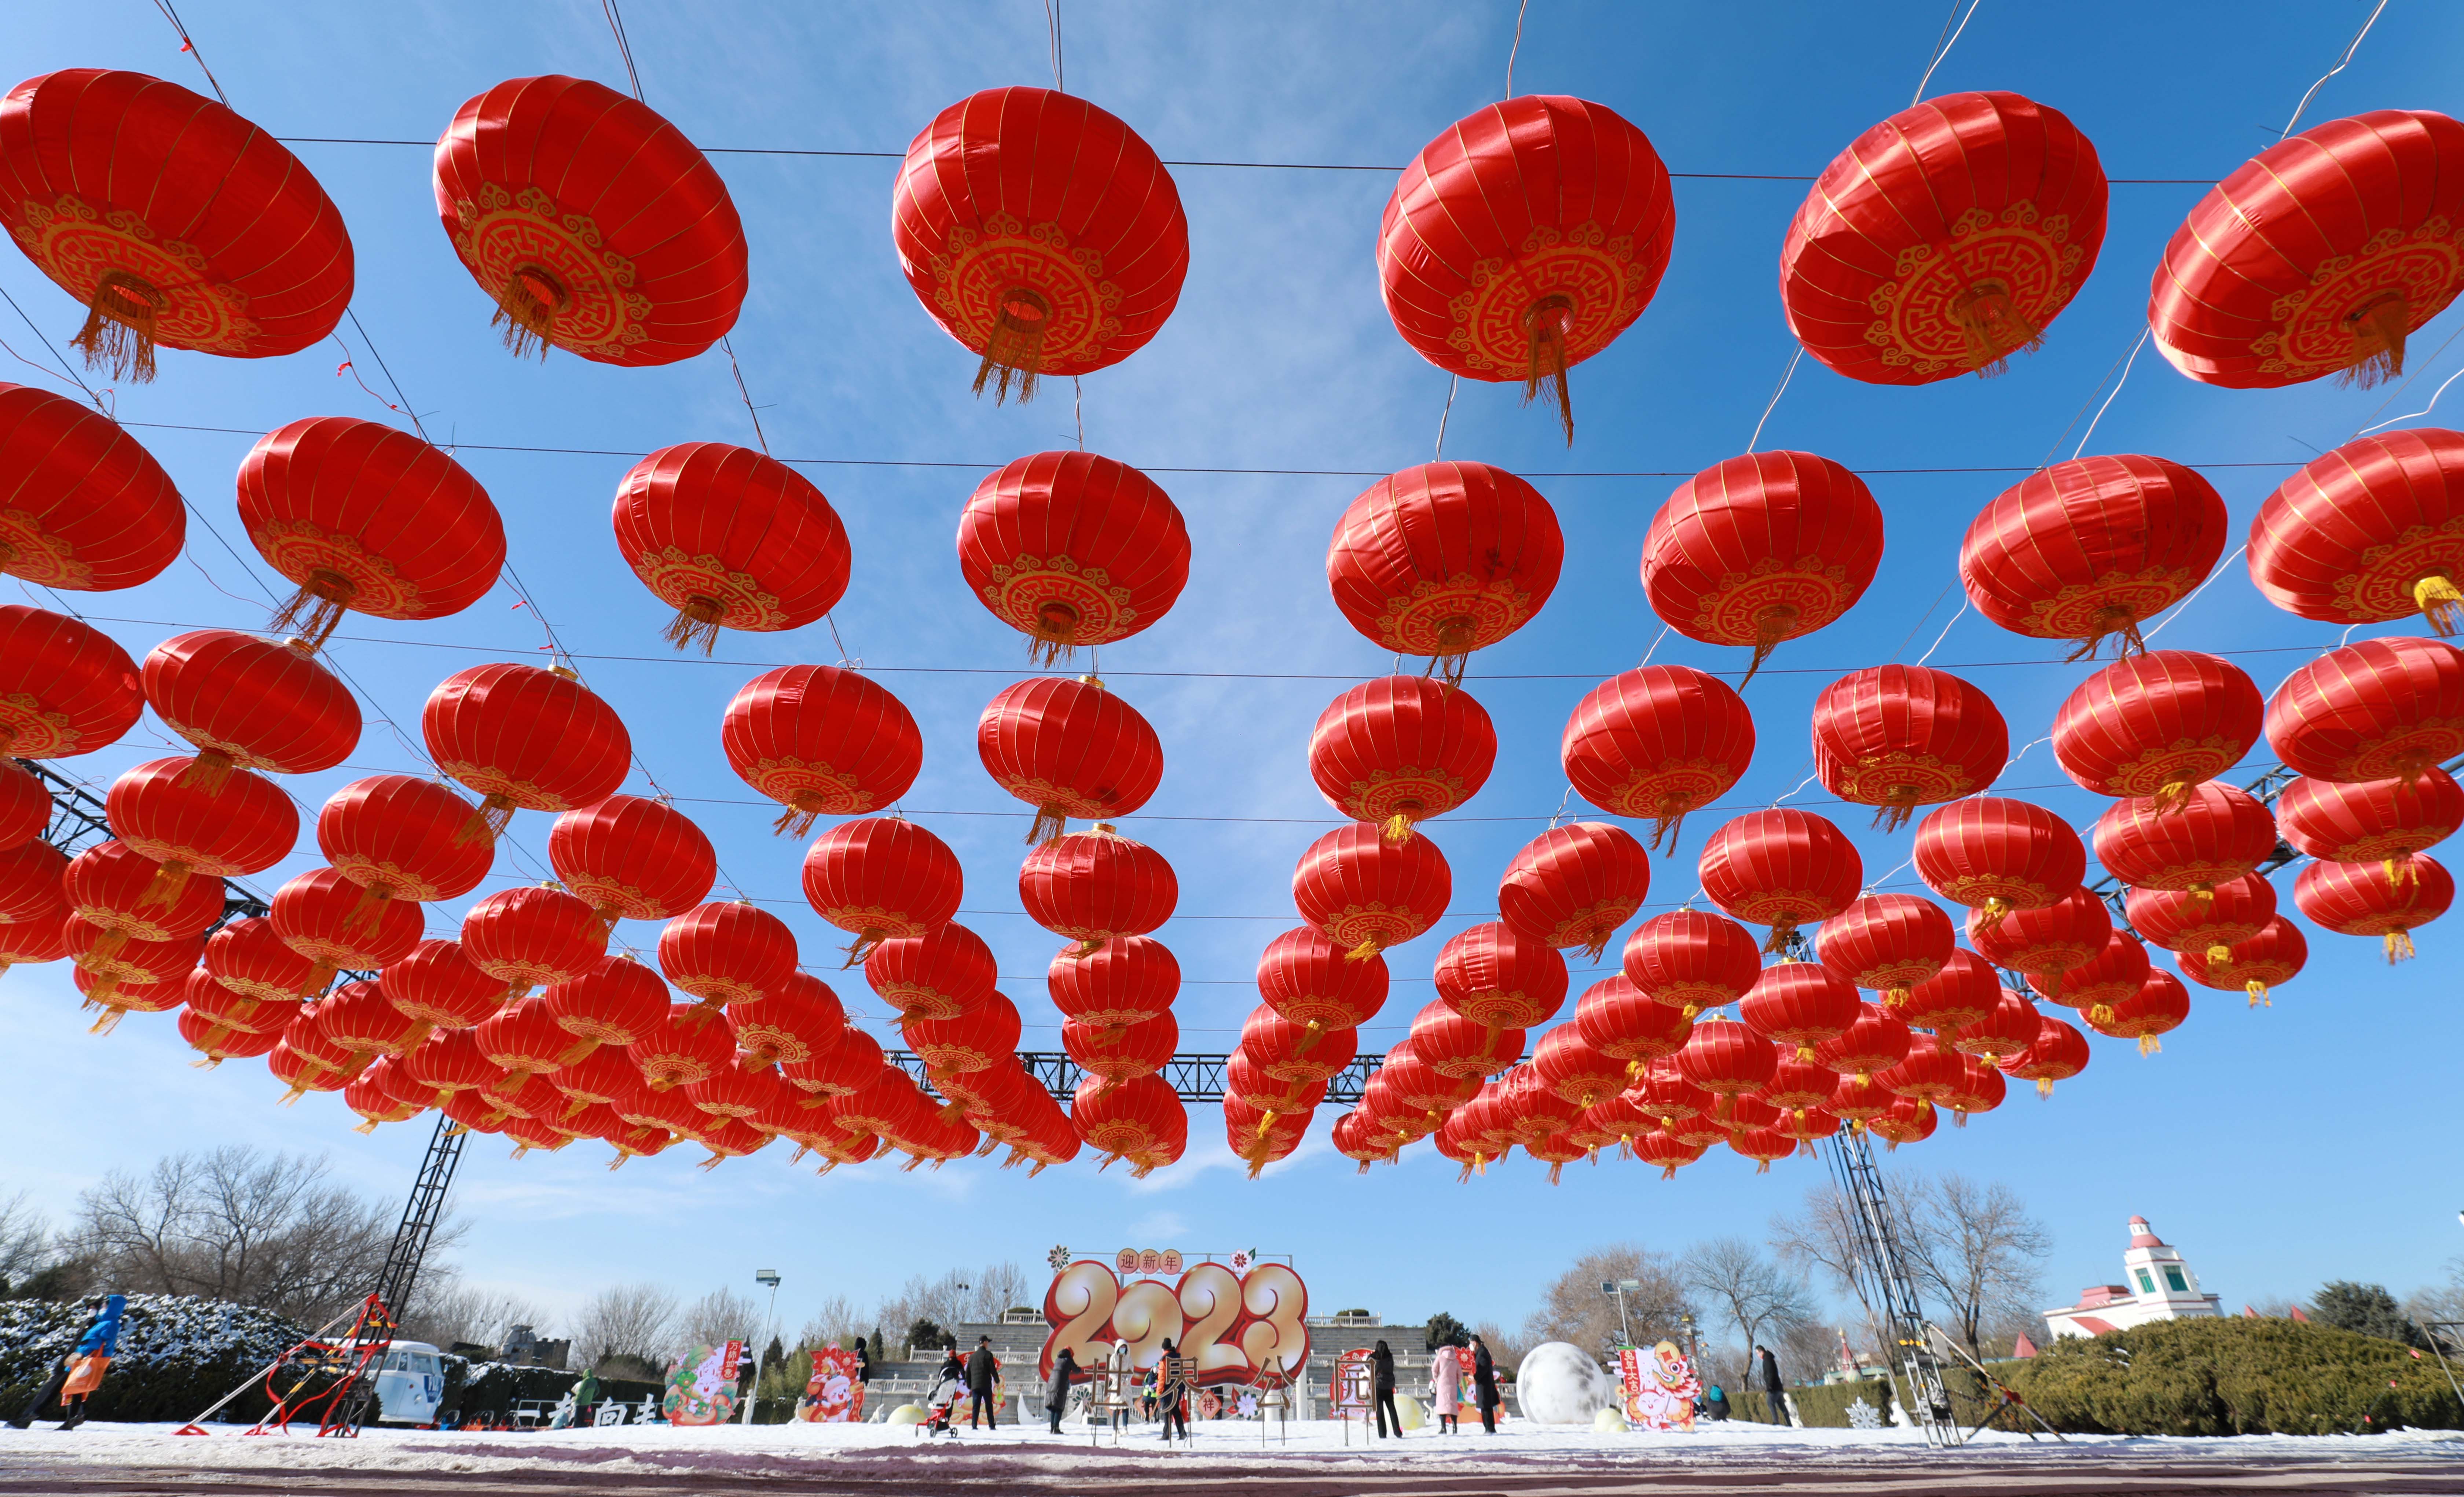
(2280,1147)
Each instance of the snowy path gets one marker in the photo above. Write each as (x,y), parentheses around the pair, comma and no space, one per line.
(861,1460)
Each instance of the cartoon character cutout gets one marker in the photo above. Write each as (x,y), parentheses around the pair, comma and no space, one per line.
(833,1396)
(1660,1386)
(701,1386)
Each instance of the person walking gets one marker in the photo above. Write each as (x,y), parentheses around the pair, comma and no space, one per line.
(1483,1384)
(981,1371)
(1445,1388)
(863,1363)
(1381,1389)
(1173,1376)
(1774,1393)
(50,1387)
(1117,1364)
(1056,1397)
(91,1359)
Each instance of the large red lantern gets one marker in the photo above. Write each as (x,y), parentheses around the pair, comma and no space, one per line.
(880,879)
(366,518)
(617,1004)
(1444,559)
(684,1048)
(2157,724)
(730,538)
(727,953)
(243,825)
(1876,1040)
(1573,886)
(1294,1052)
(1622,1021)
(1091,886)
(1524,239)
(247,957)
(2159,1008)
(2092,547)
(1944,240)
(841,1071)
(1887,944)
(2359,899)
(1932,1072)
(526,739)
(1459,1047)
(1908,1121)
(65,687)
(2275,955)
(823,741)
(30,882)
(1760,550)
(1041,232)
(2212,834)
(1115,1053)
(2369,533)
(2006,1030)
(244,701)
(402,837)
(2047,942)
(1069,748)
(172,220)
(1963,992)
(591,223)
(970,1041)
(532,937)
(937,975)
(2318,256)
(118,890)
(33,942)
(1399,750)
(1691,960)
(632,858)
(2387,709)
(1072,549)
(2185,919)
(1998,856)
(435,985)
(1366,893)
(2376,819)
(1308,979)
(1802,1004)
(1781,868)
(1726,1059)
(359,1017)
(1492,976)
(1657,740)
(1128,980)
(2096,985)
(1898,737)
(83,507)
(323,916)
(1124,1122)
(25,805)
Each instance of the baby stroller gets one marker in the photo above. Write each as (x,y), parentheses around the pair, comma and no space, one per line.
(941,1405)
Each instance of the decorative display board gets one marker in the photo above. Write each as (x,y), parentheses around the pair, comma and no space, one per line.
(701,1385)
(1660,1385)
(1348,1388)
(1231,1327)
(834,1395)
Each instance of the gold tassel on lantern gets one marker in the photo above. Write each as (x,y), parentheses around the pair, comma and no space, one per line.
(2379,328)
(2257,994)
(2440,601)
(1549,321)
(2149,1044)
(2399,946)
(117,338)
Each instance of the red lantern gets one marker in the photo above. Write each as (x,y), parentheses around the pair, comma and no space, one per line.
(1573,886)
(1072,549)
(591,223)
(1366,893)
(1306,978)
(2212,834)
(1998,856)
(1069,748)
(87,509)
(1415,1082)
(799,1019)
(937,975)
(1114,1053)
(1876,1042)
(2159,1008)
(243,825)
(1981,1088)
(601,1077)
(297,1071)
(359,1017)
(1781,868)
(33,942)
(25,805)
(1041,232)
(1932,1072)
(1907,1121)
(526,739)
(172,220)
(2112,975)
(1459,1047)
(1663,1092)
(1887,944)
(2358,899)
(1620,1021)
(685,1049)
(882,877)
(730,538)
(1492,976)
(1666,1153)
(2375,820)
(2157,724)
(2275,955)
(65,687)
(2044,942)
(1902,736)
(120,890)
(2315,256)
(2187,921)
(435,985)
(2060,1053)
(1443,559)
(402,837)
(1692,961)
(446,1065)
(2007,1028)
(247,957)
(1658,741)
(1127,979)
(2388,709)
(734,1090)
(2092,547)
(2369,533)
(1762,1146)
(1356,1137)
(1572,1068)
(1760,550)
(1141,1117)
(248,703)
(531,937)
(1400,749)
(842,1071)
(727,953)
(1726,1059)
(617,1004)
(822,741)
(322,915)
(632,858)
(1289,1052)
(1524,239)
(1801,1004)
(1092,886)
(218,1043)
(118,974)
(975,1039)
(1964,992)
(1944,240)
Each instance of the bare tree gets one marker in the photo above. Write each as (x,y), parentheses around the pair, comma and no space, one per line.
(832,1324)
(25,1239)
(1506,1347)
(1823,1235)
(635,1320)
(1746,1289)
(2439,1302)
(996,1288)
(719,1317)
(1573,1310)
(1975,1252)
(445,1311)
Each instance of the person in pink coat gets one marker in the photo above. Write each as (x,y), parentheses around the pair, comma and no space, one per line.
(1445,1388)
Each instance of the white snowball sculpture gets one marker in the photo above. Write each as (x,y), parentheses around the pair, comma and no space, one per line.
(1559,1384)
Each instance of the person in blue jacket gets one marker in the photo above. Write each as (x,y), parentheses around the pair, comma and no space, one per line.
(49,1388)
(91,1359)
(101,1334)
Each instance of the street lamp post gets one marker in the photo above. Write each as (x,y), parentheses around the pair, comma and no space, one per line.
(1617,1290)
(768,1278)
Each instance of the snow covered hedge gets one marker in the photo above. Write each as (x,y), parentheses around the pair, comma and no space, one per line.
(177,1355)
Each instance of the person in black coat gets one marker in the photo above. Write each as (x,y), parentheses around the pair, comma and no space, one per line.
(1381,1388)
(863,1363)
(1773,1392)
(1483,1384)
(1056,1399)
(980,1372)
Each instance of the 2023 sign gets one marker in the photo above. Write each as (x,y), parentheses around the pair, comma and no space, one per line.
(1230,1328)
